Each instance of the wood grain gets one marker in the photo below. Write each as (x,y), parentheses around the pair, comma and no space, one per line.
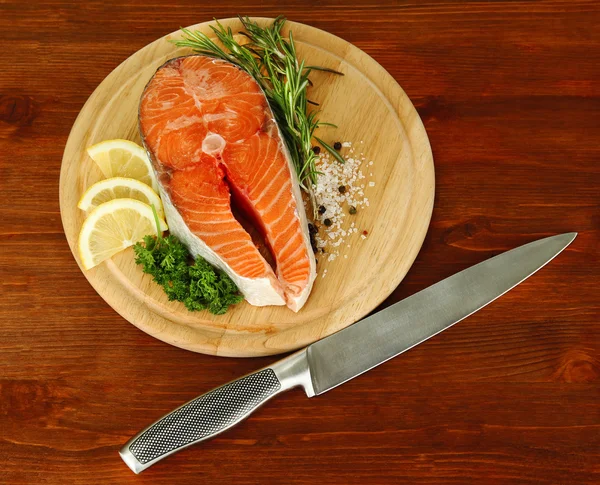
(509,95)
(369,108)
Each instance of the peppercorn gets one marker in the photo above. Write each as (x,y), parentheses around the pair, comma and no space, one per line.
(342,189)
(312,231)
(327,222)
(365,233)
(337,145)
(316,149)
(352,210)
(322,209)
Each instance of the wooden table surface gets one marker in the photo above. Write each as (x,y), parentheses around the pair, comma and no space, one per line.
(510,95)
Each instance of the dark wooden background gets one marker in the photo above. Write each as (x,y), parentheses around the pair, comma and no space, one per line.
(510,95)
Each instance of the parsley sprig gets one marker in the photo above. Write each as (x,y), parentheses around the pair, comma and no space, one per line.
(198,286)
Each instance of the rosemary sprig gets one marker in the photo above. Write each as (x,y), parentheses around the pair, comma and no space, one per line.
(272,60)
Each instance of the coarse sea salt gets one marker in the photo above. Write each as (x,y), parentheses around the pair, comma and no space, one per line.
(334,205)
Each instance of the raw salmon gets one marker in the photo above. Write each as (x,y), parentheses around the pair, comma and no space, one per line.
(210,134)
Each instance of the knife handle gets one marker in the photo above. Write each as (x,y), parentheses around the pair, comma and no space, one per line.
(214,412)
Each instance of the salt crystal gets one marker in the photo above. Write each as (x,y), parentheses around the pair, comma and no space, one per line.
(371,184)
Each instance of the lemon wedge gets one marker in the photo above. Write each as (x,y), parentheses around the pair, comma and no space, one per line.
(114,226)
(123,158)
(119,188)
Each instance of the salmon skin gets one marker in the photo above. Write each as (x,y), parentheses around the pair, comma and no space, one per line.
(212,140)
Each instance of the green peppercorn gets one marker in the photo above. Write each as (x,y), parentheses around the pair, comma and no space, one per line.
(352,210)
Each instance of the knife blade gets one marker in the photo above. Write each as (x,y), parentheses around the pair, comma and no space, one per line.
(346,354)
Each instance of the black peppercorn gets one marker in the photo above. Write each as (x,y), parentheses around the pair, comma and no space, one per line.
(327,222)
(342,189)
(322,209)
(316,150)
(337,145)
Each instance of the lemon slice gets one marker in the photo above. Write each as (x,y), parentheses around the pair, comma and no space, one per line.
(119,188)
(114,226)
(123,158)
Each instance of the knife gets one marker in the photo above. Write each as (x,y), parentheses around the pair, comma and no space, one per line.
(346,354)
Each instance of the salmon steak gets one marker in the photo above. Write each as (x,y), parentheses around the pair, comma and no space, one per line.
(218,153)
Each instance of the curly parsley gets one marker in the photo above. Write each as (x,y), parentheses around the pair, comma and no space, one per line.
(198,286)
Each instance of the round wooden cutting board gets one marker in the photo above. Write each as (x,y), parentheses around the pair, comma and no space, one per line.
(368,106)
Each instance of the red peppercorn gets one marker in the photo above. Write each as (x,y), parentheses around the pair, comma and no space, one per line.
(365,233)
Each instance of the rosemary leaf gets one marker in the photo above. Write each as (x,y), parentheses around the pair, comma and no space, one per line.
(331,150)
